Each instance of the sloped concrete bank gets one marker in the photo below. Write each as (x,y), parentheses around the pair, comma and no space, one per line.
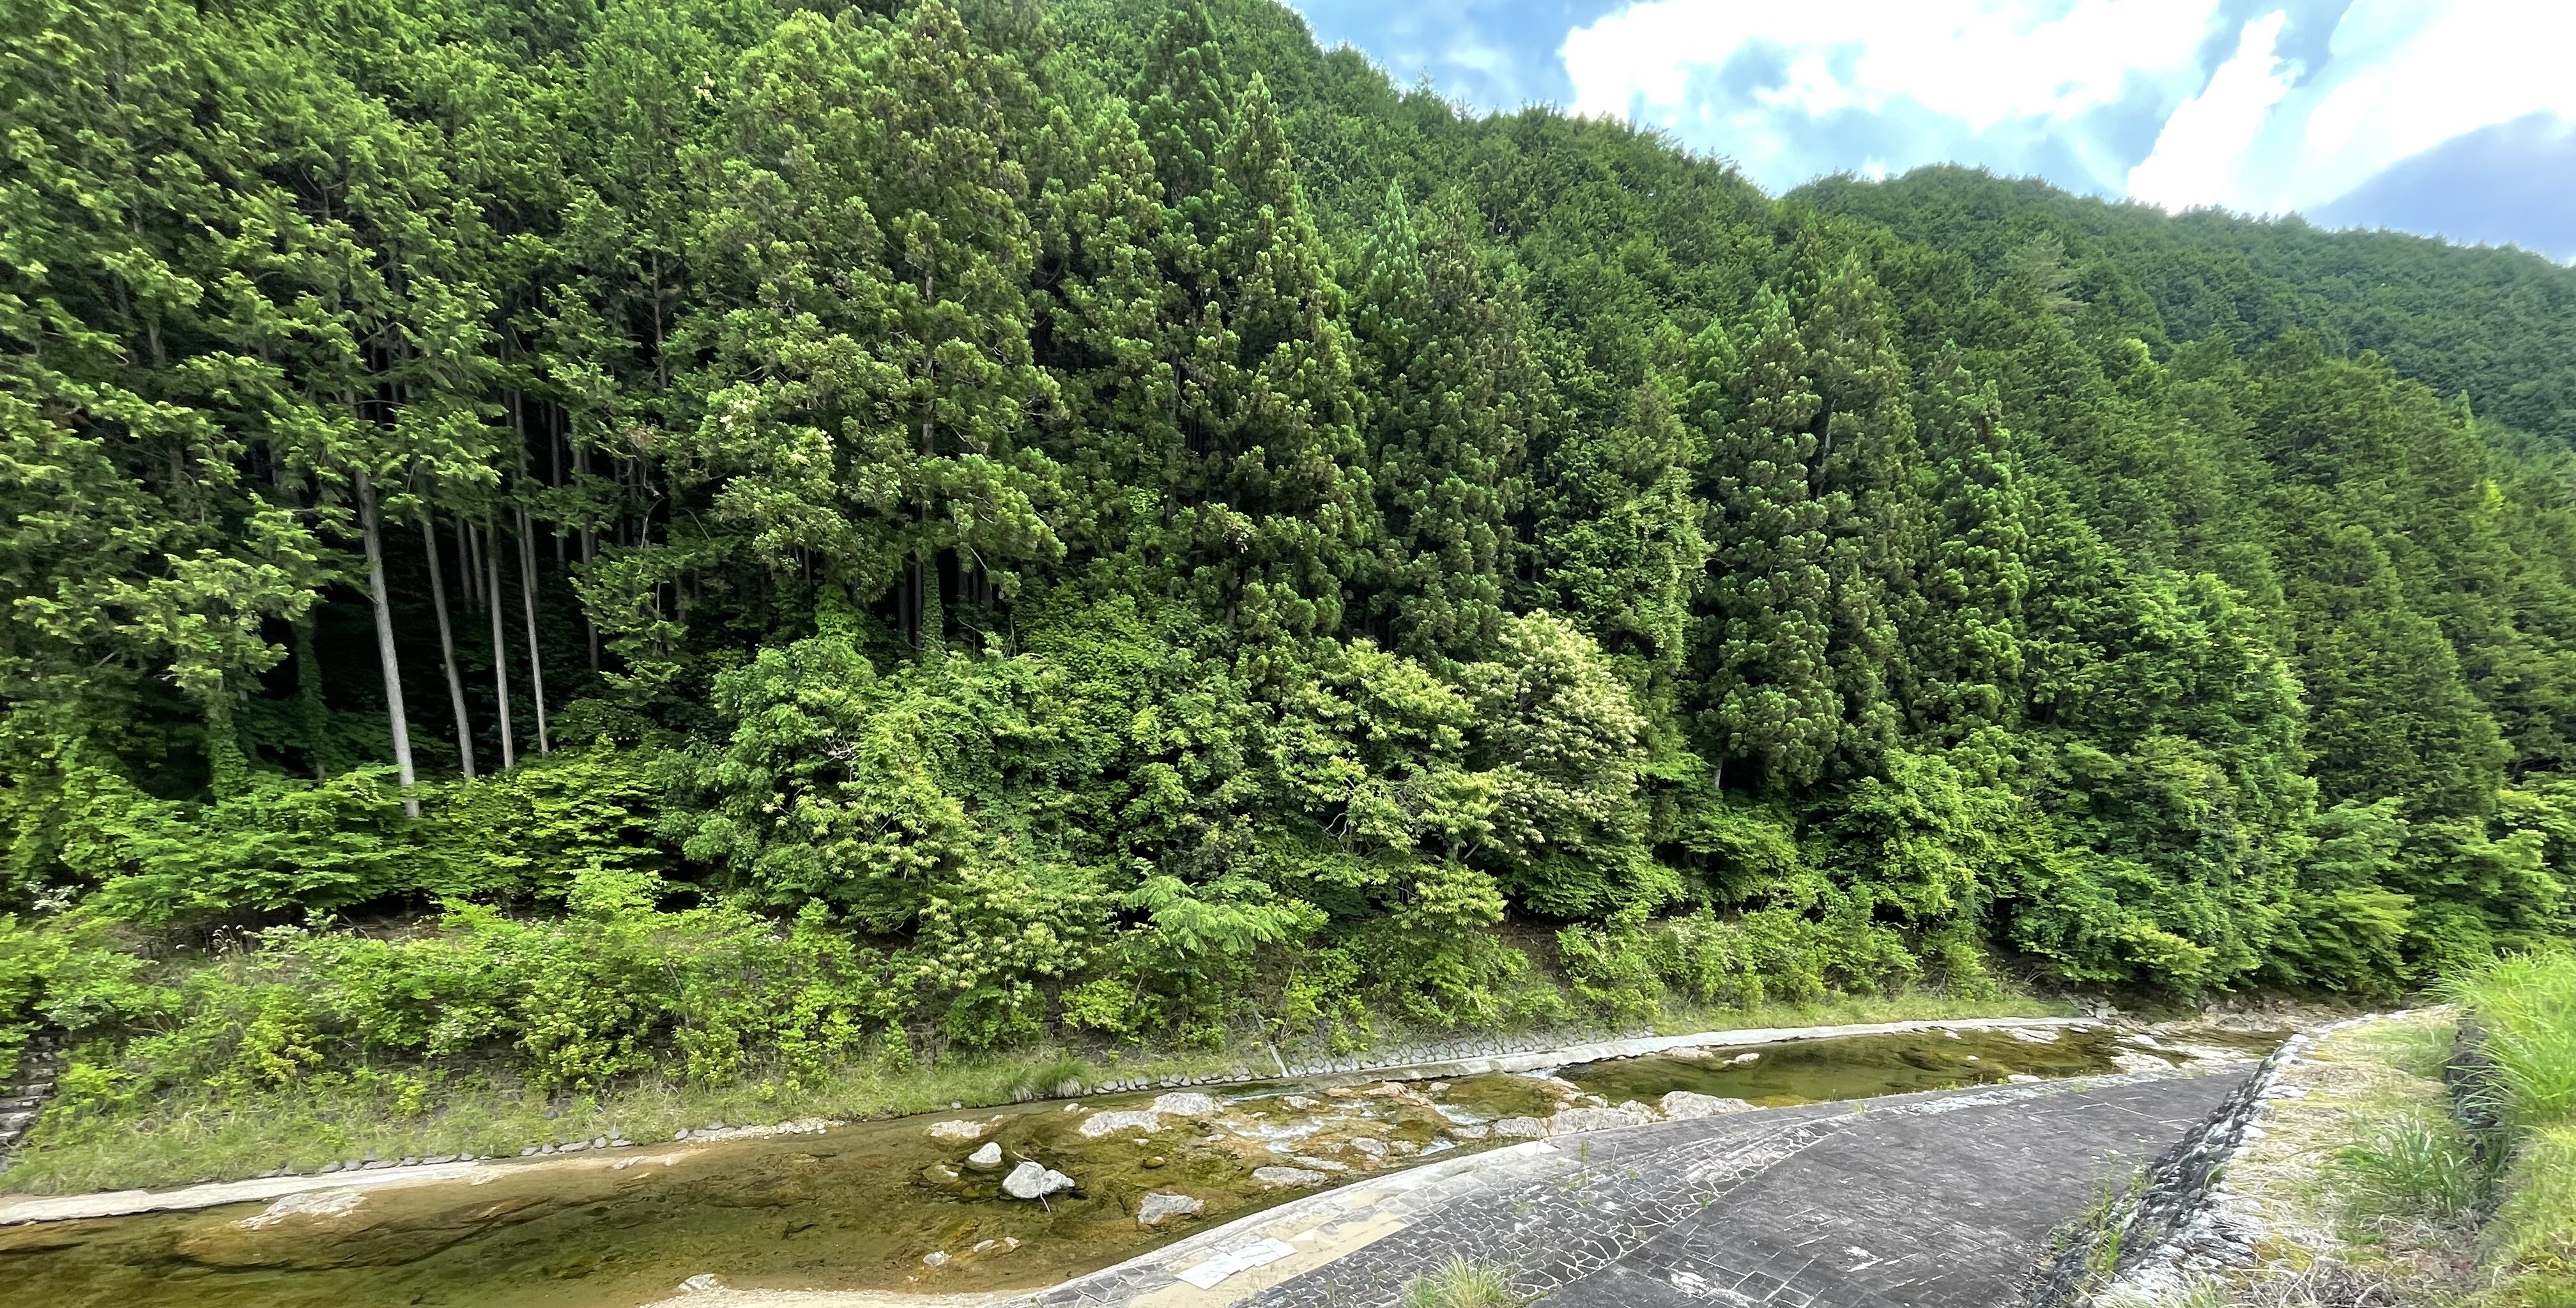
(2181,1218)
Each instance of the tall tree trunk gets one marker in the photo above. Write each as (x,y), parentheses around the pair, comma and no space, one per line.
(500,651)
(447,649)
(528,605)
(373,532)
(312,719)
(227,769)
(472,581)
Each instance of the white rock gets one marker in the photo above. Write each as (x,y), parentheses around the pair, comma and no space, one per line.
(1741,1059)
(1283,1177)
(702,1283)
(1318,1164)
(1160,1206)
(986,1159)
(1375,1149)
(960,1131)
(935,1258)
(1100,1124)
(1519,1128)
(2021,1078)
(1185,1104)
(1572,1120)
(2034,1035)
(1681,1104)
(1032,1181)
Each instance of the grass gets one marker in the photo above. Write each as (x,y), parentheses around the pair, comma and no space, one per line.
(194,1135)
(2526,1009)
(2417,1165)
(1460,1284)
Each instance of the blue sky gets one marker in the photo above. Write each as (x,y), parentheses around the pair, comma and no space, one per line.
(2449,117)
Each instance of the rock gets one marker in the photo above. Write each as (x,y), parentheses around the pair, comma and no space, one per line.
(1284,1177)
(1572,1120)
(1318,1164)
(1155,1161)
(702,1283)
(1030,1180)
(1682,1104)
(1160,1206)
(1475,1132)
(1111,1123)
(2034,1035)
(1372,1149)
(1518,1128)
(1298,1103)
(986,1159)
(1185,1105)
(960,1131)
(1741,1059)
(2021,1078)
(1004,1245)
(935,1258)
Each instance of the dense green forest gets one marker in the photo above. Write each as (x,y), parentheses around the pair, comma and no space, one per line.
(597,537)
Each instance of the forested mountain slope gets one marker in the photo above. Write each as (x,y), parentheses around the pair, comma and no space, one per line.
(725,534)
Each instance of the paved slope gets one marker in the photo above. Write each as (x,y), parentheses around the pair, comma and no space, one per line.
(1940,1201)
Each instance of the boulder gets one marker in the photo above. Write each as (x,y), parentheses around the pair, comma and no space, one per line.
(960,1131)
(1029,1180)
(1572,1120)
(986,1159)
(1143,1119)
(1681,1104)
(1519,1128)
(1186,1104)
(1160,1206)
(1285,1177)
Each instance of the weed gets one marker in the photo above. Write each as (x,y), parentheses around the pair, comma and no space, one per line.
(1460,1283)
(2415,1166)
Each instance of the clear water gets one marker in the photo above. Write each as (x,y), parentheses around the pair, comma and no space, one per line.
(859,1207)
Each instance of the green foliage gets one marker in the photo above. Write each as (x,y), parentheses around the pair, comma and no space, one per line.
(1110,518)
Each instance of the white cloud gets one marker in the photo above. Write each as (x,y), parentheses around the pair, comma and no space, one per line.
(1954,68)
(2204,144)
(2076,89)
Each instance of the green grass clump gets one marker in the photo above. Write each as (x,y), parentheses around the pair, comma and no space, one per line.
(2418,1165)
(2525,1008)
(1460,1284)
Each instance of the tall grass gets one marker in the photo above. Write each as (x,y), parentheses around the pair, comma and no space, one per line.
(2527,1007)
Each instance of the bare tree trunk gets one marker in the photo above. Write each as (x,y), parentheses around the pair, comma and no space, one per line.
(500,651)
(528,605)
(311,717)
(373,532)
(447,649)
(469,565)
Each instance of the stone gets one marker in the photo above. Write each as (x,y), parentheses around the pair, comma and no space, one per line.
(1299,1103)
(1372,1149)
(1155,1161)
(1684,1104)
(986,1159)
(1282,1178)
(960,1131)
(1031,1180)
(1518,1128)
(1111,1123)
(1741,1059)
(1318,1164)
(702,1283)
(1475,1132)
(1572,1120)
(935,1258)
(1160,1206)
(1185,1105)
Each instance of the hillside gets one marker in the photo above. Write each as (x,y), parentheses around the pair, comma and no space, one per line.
(719,540)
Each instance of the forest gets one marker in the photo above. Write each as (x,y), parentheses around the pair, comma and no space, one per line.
(583,539)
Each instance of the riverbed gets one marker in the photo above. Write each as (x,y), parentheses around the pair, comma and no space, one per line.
(920,1204)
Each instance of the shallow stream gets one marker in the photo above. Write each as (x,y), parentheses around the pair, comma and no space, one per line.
(893,1205)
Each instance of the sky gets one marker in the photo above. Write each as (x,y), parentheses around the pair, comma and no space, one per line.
(2446,117)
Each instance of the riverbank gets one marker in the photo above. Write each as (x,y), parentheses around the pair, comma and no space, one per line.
(191,1138)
